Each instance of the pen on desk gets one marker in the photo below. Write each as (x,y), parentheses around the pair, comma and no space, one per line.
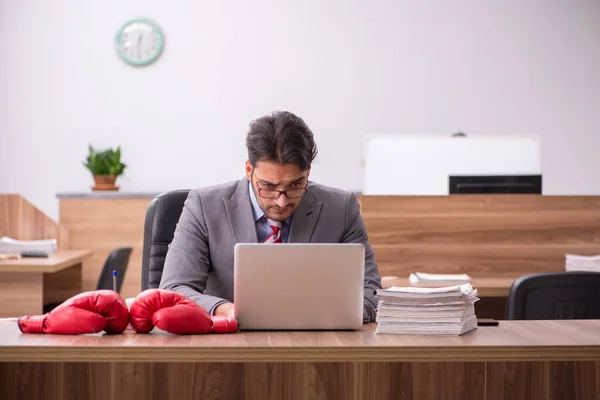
(115,280)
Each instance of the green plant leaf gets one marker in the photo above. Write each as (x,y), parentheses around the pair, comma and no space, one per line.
(104,162)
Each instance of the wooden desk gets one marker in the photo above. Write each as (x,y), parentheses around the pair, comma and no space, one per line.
(516,360)
(29,283)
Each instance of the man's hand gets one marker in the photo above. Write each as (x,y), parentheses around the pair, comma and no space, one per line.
(224,310)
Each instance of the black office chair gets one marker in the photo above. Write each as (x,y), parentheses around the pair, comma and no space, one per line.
(555,295)
(117,260)
(162,217)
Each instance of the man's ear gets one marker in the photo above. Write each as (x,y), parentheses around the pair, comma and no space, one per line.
(249,169)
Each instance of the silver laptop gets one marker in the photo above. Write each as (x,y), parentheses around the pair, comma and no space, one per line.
(299,286)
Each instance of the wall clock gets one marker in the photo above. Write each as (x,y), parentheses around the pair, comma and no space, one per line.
(139,41)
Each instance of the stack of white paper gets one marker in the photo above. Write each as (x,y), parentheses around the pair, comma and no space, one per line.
(582,263)
(427,311)
(13,246)
(423,279)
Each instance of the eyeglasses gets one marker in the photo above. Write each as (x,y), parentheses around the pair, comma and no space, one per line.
(274,193)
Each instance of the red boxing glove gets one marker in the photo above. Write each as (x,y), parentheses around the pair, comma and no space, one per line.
(174,313)
(88,312)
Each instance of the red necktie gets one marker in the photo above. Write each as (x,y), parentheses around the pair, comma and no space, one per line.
(275,236)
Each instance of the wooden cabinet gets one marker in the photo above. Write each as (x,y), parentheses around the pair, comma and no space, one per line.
(103,222)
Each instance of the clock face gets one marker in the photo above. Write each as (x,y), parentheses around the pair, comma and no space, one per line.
(139,42)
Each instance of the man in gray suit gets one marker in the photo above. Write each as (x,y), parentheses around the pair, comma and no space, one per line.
(274,203)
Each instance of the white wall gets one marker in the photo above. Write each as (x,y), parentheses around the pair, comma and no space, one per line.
(350,68)
(423,164)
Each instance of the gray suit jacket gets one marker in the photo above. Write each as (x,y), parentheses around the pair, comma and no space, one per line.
(199,262)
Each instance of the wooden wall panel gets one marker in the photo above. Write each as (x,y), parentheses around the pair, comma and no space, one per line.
(507,235)
(455,380)
(10,215)
(518,228)
(478,260)
(86,381)
(21,220)
(303,381)
(574,380)
(180,382)
(62,285)
(482,235)
(43,381)
(25,290)
(103,225)
(465,203)
(517,380)
(135,380)
(219,380)
(372,386)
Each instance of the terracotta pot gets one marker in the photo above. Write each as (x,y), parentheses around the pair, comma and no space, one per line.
(105,182)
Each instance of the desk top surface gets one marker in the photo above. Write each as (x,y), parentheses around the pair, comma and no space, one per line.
(58,261)
(492,286)
(510,341)
(109,194)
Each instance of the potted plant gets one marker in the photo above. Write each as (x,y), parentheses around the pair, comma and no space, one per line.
(105,166)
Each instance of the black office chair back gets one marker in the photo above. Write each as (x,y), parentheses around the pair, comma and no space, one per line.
(162,217)
(117,260)
(555,295)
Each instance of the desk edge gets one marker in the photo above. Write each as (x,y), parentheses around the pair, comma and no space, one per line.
(298,354)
